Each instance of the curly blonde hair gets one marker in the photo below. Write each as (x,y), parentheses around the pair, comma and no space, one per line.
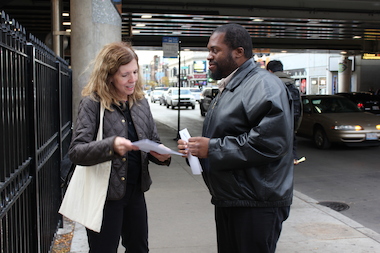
(106,64)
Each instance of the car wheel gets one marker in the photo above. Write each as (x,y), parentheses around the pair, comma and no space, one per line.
(174,107)
(193,107)
(167,105)
(320,139)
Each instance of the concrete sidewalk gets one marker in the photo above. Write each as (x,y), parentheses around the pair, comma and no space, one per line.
(181,217)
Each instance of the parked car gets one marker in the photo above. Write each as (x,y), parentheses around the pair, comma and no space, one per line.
(155,95)
(163,98)
(331,119)
(207,95)
(196,93)
(147,92)
(366,101)
(187,99)
(161,88)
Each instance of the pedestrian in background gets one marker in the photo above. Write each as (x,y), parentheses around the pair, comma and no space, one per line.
(115,82)
(246,147)
(277,68)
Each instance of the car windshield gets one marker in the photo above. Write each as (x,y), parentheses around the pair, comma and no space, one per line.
(333,105)
(183,92)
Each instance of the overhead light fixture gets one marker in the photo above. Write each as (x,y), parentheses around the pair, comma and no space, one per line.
(357,37)
(343,52)
(135,31)
(66,23)
(68,30)
(146,16)
(257,19)
(66,14)
(198,18)
(284,51)
(140,25)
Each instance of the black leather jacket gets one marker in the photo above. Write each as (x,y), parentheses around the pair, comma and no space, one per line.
(84,150)
(250,124)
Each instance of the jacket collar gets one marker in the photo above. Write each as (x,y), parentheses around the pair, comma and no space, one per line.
(241,73)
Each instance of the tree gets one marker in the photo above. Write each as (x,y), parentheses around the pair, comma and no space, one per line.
(165,80)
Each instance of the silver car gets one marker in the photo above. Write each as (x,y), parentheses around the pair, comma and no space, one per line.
(331,119)
(186,98)
(196,93)
(155,95)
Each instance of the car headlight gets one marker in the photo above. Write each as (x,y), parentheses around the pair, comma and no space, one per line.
(348,127)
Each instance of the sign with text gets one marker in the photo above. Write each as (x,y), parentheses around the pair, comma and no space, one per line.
(200,66)
(200,76)
(170,46)
(371,56)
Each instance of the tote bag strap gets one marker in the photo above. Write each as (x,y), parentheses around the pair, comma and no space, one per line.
(86,194)
(99,136)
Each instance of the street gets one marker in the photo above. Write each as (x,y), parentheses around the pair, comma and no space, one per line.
(344,175)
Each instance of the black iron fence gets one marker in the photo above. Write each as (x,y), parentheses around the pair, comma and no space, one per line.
(35,132)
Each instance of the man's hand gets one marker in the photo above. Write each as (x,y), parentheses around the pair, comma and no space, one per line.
(182,147)
(198,146)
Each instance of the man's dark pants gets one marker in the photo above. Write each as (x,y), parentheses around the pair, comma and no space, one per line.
(249,229)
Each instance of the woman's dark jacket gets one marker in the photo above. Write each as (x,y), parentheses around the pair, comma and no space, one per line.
(250,161)
(84,150)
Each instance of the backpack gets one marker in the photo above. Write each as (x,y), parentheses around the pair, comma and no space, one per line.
(297,105)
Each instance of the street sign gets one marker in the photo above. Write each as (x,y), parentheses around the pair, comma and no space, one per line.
(170,47)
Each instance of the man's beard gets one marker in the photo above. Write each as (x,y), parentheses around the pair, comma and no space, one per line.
(224,69)
(217,75)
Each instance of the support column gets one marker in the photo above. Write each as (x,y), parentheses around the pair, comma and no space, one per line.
(344,74)
(94,23)
(56,27)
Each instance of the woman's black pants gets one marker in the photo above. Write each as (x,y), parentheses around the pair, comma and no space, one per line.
(126,218)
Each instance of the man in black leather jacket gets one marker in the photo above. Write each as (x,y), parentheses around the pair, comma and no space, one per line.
(246,148)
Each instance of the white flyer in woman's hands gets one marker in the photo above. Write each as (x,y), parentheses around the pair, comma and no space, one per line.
(195,165)
(147,145)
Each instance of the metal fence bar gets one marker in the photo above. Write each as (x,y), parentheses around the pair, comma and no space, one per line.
(16,189)
(35,132)
(47,153)
(65,84)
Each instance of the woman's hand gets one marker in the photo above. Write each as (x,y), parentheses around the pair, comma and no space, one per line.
(161,157)
(122,146)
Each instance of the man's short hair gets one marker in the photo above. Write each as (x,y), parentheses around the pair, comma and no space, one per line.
(236,36)
(275,66)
